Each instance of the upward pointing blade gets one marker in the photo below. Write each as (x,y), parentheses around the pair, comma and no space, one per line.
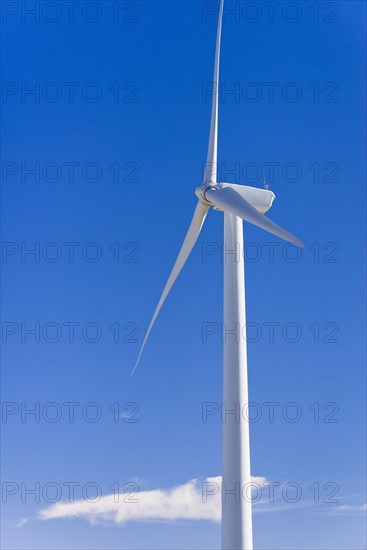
(210,175)
(229,200)
(188,244)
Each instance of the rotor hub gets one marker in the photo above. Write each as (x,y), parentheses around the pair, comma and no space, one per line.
(203,188)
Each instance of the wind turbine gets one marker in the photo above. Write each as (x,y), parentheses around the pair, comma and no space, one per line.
(238,202)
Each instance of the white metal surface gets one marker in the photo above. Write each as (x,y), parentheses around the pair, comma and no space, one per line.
(188,244)
(261,199)
(236,508)
(229,200)
(210,173)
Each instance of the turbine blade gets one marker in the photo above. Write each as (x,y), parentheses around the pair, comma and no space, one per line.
(210,173)
(188,244)
(229,200)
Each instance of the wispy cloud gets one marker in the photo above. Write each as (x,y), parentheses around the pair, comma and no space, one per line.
(346,509)
(194,500)
(22,522)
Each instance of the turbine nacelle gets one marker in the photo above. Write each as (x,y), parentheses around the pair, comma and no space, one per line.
(260,199)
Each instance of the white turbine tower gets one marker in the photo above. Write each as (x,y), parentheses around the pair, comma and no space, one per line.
(238,202)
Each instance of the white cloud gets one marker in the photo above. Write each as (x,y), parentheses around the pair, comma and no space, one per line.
(194,500)
(22,522)
(347,509)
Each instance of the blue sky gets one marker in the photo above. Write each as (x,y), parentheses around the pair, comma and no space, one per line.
(117,133)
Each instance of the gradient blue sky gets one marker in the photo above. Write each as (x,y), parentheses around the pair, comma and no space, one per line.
(161,54)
